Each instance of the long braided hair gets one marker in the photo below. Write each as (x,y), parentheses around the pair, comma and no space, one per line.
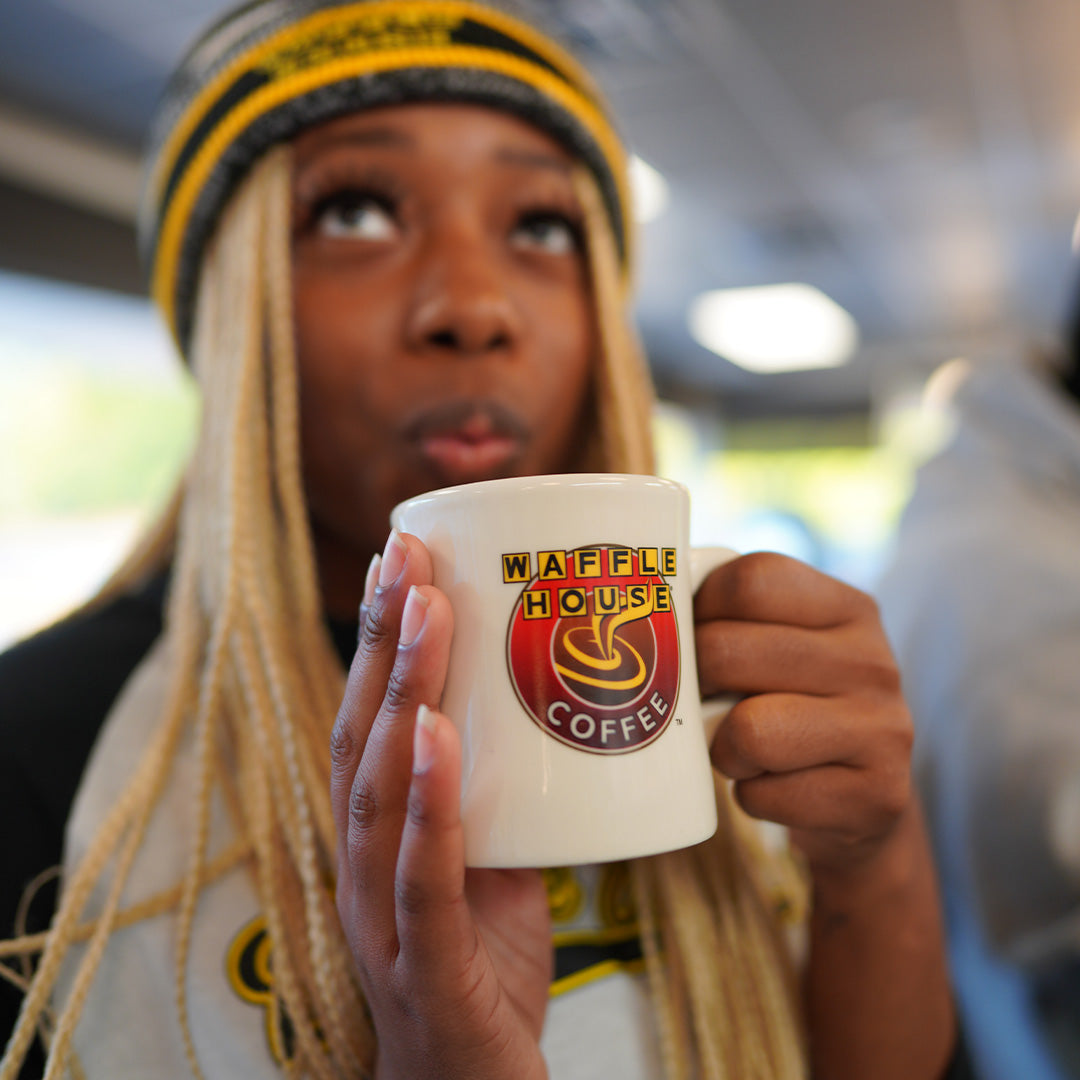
(245,684)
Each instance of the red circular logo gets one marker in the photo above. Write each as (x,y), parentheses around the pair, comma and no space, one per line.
(593,647)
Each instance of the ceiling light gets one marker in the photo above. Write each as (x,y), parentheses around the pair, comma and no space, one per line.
(774,328)
(648,191)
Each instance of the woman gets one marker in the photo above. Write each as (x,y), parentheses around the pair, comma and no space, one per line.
(391,240)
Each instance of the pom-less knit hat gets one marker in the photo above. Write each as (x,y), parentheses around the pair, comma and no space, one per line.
(275,67)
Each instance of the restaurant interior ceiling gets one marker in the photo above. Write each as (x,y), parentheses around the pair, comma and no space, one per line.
(918,161)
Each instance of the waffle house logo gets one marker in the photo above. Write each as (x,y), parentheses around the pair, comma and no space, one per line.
(593,644)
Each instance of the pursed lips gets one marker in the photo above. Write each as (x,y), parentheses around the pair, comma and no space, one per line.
(468,440)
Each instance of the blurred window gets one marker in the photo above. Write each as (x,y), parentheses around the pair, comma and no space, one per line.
(828,490)
(96,418)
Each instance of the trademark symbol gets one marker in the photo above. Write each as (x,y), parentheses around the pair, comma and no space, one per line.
(678,719)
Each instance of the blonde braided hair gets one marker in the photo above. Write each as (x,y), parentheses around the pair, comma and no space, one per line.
(254,685)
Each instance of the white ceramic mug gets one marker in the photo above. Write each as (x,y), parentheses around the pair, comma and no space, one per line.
(572,678)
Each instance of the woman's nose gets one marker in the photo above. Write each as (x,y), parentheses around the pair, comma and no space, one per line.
(460,304)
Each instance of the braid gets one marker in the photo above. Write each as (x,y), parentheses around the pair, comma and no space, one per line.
(58,1051)
(306,784)
(622,389)
(254,681)
(719,972)
(235,394)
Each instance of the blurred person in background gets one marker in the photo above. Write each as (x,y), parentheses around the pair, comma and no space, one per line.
(982,604)
(392,239)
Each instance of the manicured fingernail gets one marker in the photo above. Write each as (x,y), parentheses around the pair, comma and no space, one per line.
(393,559)
(372,579)
(412,618)
(423,741)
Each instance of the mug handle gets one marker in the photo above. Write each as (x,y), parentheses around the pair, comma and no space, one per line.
(703,561)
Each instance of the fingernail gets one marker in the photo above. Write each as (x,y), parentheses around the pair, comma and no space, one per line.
(372,579)
(393,559)
(412,618)
(423,741)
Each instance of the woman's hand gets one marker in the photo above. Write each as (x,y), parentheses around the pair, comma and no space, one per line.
(455,964)
(821,741)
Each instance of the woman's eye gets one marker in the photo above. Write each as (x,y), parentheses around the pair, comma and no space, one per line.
(552,234)
(357,216)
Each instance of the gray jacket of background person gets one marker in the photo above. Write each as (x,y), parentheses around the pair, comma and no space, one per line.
(982,604)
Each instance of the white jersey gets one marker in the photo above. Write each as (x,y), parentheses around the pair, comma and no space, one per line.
(599,1022)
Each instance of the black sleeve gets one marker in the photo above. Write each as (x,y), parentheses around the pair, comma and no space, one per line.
(960,1066)
(55,691)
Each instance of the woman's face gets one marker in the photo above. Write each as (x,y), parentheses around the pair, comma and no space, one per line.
(444,325)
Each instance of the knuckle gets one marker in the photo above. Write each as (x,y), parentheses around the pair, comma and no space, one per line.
(889,675)
(867,605)
(405,994)
(418,810)
(399,693)
(888,792)
(369,958)
(342,741)
(889,734)
(363,807)
(748,580)
(895,794)
(747,730)
(750,795)
(858,607)
(903,734)
(377,633)
(861,604)
(880,673)
(372,962)
(412,898)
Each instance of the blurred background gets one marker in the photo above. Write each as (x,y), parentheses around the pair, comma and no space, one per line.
(845,204)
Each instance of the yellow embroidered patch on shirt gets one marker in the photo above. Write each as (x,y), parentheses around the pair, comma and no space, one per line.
(594,925)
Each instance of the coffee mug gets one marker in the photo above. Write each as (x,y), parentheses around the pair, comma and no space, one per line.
(572,678)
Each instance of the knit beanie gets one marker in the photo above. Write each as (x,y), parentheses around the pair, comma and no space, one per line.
(274,67)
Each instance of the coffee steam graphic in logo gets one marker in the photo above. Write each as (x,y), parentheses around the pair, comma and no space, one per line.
(593,644)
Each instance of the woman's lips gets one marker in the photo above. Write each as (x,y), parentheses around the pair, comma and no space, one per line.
(468,440)
(465,459)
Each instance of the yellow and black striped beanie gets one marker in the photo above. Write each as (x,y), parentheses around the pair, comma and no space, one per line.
(275,67)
